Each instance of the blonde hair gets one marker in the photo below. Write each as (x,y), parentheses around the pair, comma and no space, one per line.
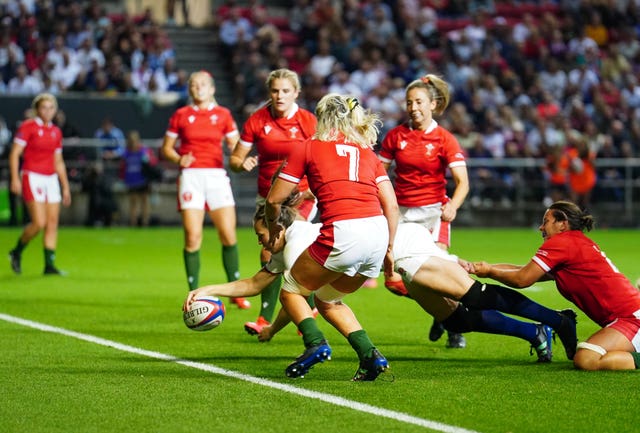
(286,74)
(43,97)
(437,89)
(344,115)
(206,74)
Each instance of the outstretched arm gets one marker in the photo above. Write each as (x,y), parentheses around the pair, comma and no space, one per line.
(240,288)
(512,275)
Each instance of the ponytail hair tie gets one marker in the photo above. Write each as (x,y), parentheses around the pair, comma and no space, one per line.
(352,103)
(425,79)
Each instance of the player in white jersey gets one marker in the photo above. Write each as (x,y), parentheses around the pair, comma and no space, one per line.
(433,277)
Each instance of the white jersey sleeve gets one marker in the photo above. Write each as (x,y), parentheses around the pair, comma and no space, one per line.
(298,236)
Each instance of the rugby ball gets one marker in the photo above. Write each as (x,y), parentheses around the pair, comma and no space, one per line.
(206,312)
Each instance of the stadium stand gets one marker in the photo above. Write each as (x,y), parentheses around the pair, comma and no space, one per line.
(531,80)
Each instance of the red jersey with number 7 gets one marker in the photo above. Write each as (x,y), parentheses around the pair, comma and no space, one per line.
(343,176)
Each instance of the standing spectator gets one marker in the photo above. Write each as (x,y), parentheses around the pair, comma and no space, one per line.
(352,187)
(582,172)
(138,163)
(203,183)
(113,138)
(423,151)
(44,182)
(5,136)
(234,32)
(170,9)
(275,130)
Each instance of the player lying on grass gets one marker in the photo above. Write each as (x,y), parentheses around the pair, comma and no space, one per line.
(284,252)
(437,272)
(585,276)
(437,280)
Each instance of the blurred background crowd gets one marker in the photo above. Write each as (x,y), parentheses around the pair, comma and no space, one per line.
(552,80)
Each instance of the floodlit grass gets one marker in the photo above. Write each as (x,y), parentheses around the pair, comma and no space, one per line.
(127,286)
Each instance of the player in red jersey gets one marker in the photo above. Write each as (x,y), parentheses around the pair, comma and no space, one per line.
(274,129)
(585,276)
(203,184)
(356,200)
(423,151)
(44,183)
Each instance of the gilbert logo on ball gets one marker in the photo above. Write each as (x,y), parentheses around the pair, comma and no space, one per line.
(206,312)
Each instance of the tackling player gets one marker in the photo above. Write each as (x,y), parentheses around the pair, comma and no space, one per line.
(585,276)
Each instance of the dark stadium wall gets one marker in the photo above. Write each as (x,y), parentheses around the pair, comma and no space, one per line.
(86,113)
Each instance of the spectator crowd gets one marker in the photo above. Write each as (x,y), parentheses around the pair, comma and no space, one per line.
(556,80)
(60,46)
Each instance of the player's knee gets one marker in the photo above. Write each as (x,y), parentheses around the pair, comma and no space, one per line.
(461,320)
(588,356)
(329,295)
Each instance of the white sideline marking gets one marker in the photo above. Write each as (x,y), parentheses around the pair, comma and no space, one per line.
(327,398)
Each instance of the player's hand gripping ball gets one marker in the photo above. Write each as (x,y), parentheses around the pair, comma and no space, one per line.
(206,312)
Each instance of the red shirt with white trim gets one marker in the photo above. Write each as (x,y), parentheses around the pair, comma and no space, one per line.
(422,158)
(201,133)
(344,177)
(41,142)
(274,138)
(585,276)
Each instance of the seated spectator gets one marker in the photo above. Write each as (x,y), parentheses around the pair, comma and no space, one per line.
(339,83)
(113,138)
(234,31)
(87,53)
(36,55)
(180,86)
(23,83)
(323,61)
(11,55)
(380,26)
(59,52)
(65,75)
(595,29)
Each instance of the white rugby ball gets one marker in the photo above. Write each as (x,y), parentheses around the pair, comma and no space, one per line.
(206,312)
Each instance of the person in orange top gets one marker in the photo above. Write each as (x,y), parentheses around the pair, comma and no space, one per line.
(556,172)
(582,173)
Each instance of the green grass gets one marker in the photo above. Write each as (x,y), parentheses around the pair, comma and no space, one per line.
(127,285)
